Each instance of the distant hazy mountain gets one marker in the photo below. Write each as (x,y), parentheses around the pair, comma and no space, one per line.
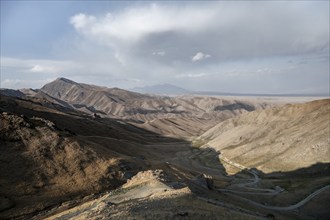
(168,89)
(162,89)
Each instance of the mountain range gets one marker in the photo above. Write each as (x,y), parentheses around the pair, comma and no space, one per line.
(162,89)
(77,151)
(147,111)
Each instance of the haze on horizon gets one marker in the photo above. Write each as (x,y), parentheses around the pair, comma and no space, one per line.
(243,47)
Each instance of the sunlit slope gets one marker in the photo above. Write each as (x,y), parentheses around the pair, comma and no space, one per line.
(276,139)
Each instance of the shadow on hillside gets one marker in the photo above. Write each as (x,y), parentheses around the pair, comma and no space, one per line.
(294,185)
(131,147)
(235,106)
(297,185)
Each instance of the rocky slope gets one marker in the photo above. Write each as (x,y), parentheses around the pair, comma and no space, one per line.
(276,139)
(37,163)
(48,156)
(149,195)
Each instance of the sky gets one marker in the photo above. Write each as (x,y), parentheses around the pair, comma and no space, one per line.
(271,47)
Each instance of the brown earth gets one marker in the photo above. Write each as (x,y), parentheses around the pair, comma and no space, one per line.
(276,139)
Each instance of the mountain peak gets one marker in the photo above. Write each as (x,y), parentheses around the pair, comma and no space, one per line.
(59,84)
(65,80)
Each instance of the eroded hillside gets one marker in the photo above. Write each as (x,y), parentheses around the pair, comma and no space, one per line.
(44,163)
(184,116)
(276,139)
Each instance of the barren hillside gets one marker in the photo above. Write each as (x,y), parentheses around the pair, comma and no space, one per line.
(52,160)
(276,139)
(77,151)
(149,112)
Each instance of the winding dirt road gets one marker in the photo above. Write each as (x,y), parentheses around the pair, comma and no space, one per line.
(195,160)
(268,192)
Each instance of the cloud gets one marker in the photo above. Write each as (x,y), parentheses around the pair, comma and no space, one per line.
(43,69)
(159,53)
(18,73)
(243,30)
(38,66)
(233,33)
(200,56)
(191,75)
(25,83)
(80,21)
(134,23)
